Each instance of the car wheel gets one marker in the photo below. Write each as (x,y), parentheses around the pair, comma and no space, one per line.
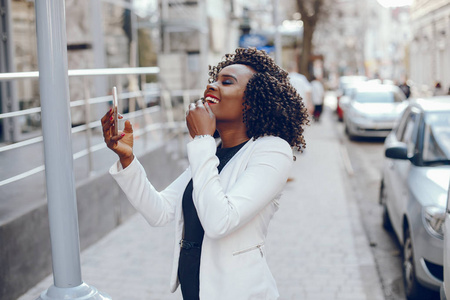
(387,225)
(413,289)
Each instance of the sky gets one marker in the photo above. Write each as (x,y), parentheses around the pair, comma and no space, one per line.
(393,3)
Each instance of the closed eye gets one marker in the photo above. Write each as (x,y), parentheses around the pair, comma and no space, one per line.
(228,79)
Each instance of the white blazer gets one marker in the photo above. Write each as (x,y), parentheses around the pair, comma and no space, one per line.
(234,207)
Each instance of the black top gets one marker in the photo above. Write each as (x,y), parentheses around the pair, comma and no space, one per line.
(189,263)
(193,230)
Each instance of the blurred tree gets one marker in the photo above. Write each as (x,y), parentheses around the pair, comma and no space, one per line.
(311,12)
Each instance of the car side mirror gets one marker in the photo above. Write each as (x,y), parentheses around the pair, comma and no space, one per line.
(398,151)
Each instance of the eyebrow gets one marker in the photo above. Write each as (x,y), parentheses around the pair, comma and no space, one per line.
(232,76)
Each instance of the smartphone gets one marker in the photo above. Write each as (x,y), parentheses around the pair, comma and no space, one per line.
(115,111)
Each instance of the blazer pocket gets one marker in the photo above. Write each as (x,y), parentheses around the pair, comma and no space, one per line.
(256,247)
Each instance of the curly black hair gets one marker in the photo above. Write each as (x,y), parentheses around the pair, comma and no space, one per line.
(272,106)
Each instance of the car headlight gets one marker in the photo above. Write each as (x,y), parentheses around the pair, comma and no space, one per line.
(434,217)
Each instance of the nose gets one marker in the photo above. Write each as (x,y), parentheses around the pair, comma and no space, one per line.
(211,86)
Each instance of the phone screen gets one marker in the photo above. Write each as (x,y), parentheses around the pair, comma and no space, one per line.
(115,112)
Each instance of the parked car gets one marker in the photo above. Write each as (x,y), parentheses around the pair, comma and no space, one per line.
(414,189)
(344,90)
(373,109)
(445,287)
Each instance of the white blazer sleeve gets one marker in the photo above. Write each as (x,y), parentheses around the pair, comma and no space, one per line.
(263,179)
(158,208)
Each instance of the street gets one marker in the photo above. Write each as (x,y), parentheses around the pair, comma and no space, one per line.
(364,169)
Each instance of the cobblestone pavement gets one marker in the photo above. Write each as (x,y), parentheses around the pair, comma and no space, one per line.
(316,245)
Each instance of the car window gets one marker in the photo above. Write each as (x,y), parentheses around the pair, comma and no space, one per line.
(448,200)
(405,123)
(348,91)
(409,135)
(374,97)
(436,137)
(400,128)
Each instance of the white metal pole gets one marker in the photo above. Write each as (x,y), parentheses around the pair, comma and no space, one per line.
(56,127)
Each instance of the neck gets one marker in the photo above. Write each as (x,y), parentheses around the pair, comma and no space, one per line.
(231,138)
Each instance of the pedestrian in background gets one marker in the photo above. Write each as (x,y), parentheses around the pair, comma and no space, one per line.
(223,203)
(302,85)
(438,90)
(406,89)
(317,95)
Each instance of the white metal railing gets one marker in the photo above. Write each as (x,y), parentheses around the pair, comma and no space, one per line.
(86,72)
(166,106)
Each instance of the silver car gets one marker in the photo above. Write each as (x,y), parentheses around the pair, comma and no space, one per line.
(344,91)
(372,109)
(445,287)
(414,188)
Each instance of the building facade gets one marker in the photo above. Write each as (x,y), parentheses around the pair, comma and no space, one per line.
(364,38)
(180,37)
(430,45)
(96,38)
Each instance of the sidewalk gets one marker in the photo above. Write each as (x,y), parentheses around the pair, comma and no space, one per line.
(316,245)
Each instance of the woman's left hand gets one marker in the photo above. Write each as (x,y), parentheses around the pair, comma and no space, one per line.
(200,119)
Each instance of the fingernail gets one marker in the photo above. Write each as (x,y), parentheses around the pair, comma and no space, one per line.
(111,118)
(110,110)
(122,134)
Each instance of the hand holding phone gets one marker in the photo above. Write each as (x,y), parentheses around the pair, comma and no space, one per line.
(115,112)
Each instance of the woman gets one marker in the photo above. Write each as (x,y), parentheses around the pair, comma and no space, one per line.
(222,213)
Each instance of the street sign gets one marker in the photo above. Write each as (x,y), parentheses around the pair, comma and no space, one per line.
(252,40)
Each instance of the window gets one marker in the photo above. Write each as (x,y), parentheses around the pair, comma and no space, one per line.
(436,137)
(409,132)
(375,97)
(400,129)
(399,96)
